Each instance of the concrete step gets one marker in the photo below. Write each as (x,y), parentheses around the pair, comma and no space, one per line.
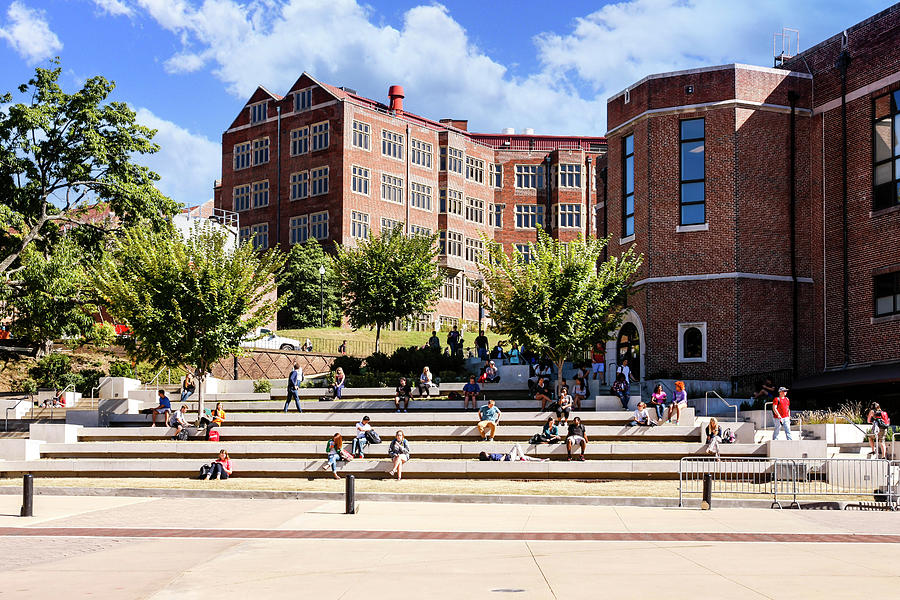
(415,432)
(440,450)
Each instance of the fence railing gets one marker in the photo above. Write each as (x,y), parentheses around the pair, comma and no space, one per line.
(724,401)
(788,480)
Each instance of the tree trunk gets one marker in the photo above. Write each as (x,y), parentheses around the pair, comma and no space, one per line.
(377,337)
(201,379)
(43,349)
(559,374)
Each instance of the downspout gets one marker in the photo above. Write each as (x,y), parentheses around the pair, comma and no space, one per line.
(548,215)
(795,288)
(278,181)
(843,61)
(589,213)
(408,182)
(603,176)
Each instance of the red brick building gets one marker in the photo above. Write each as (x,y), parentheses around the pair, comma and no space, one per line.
(766,202)
(324,163)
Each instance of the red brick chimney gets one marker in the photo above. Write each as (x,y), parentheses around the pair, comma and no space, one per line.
(396,95)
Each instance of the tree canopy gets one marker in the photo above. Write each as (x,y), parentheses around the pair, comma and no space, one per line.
(301,278)
(188,302)
(388,277)
(561,301)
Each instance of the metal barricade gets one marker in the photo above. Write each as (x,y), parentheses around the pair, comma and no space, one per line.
(792,479)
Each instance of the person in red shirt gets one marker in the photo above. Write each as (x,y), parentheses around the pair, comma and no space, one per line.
(781,413)
(221,467)
(597,362)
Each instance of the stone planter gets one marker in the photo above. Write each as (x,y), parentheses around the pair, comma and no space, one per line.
(842,433)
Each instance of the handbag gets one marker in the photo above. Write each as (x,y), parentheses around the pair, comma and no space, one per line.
(372,437)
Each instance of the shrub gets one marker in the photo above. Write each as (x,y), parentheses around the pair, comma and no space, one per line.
(146,372)
(49,371)
(349,364)
(28,386)
(101,335)
(262,386)
(120,368)
(90,378)
(412,360)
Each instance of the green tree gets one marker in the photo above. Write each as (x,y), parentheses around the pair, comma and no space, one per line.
(562,301)
(301,278)
(188,303)
(61,152)
(388,277)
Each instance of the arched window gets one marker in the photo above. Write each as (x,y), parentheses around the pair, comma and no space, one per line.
(692,342)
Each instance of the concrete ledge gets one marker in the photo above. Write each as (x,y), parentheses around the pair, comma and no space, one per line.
(20,449)
(51,432)
(363,406)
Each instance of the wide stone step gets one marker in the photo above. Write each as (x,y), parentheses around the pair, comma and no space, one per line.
(415,432)
(383,405)
(442,450)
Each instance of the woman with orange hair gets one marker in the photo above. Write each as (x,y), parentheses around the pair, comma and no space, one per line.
(679,400)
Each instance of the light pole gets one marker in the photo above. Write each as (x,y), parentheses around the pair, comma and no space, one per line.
(322,296)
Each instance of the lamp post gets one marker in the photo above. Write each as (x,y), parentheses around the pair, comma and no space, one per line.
(322,296)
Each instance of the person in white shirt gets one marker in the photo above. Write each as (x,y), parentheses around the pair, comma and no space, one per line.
(625,370)
(179,420)
(426,383)
(641,416)
(361,441)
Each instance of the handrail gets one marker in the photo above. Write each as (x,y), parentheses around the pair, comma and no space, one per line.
(13,407)
(155,381)
(100,385)
(724,401)
(846,418)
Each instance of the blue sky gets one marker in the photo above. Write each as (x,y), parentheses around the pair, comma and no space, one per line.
(188,66)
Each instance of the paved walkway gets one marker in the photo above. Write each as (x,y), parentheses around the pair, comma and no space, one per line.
(112,547)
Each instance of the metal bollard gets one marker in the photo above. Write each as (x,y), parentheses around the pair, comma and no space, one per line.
(350,497)
(706,504)
(27,495)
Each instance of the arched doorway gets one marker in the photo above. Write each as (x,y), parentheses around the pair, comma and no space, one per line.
(628,345)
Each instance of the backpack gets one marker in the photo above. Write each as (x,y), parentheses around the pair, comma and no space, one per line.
(881,420)
(536,439)
(372,437)
(728,437)
(204,471)
(181,435)
(454,396)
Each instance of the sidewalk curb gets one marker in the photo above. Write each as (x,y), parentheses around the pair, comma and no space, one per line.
(652,502)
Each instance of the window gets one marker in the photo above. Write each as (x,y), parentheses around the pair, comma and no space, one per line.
(887,295)
(390,224)
(359,224)
(391,188)
(497,176)
(319,134)
(451,291)
(261,151)
(524,252)
(260,194)
(318,225)
(244,235)
(474,169)
(886,153)
(258,112)
(299,229)
(570,176)
(570,215)
(475,210)
(451,243)
(299,141)
(529,216)
(451,159)
(319,181)
(474,249)
(420,153)
(471,291)
(359,180)
(693,172)
(498,215)
(362,135)
(241,194)
(420,196)
(692,342)
(451,202)
(391,144)
(299,185)
(448,322)
(260,233)
(241,156)
(628,186)
(529,177)
(419,230)
(303,100)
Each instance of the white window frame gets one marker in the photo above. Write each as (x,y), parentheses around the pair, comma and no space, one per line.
(529,176)
(243,155)
(496,214)
(682,329)
(261,151)
(255,109)
(256,232)
(420,230)
(259,194)
(524,252)
(452,159)
(391,185)
(569,175)
(360,180)
(475,210)
(319,136)
(360,227)
(421,153)
(362,135)
(300,141)
(315,222)
(244,234)
(532,213)
(474,169)
(421,196)
(299,185)
(497,175)
(392,144)
(244,192)
(474,249)
(303,99)
(571,211)
(299,228)
(316,177)
(389,224)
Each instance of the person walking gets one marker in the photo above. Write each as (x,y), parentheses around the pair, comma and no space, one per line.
(293,388)
(453,340)
(481,345)
(781,413)
(880,422)
(598,366)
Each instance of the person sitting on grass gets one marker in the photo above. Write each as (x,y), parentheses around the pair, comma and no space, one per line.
(490,373)
(358,447)
(335,451)
(564,406)
(179,421)
(488,418)
(470,392)
(164,408)
(550,432)
(221,467)
(713,436)
(515,453)
(577,436)
(641,416)
(543,393)
(340,381)
(399,453)
(211,420)
(402,394)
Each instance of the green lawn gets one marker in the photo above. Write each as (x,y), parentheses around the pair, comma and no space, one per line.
(360,342)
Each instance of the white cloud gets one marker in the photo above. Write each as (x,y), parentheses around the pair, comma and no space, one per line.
(28,32)
(187,163)
(115,8)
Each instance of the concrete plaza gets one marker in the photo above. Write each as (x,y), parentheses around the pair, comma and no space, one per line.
(115,547)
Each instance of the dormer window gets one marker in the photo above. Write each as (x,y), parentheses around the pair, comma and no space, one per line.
(258,112)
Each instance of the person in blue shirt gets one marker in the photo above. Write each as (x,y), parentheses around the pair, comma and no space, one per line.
(164,408)
(293,388)
(488,418)
(515,453)
(470,392)
(515,357)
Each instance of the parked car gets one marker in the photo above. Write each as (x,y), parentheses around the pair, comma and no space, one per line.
(266,338)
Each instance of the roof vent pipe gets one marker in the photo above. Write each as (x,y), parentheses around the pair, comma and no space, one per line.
(395,92)
(528,131)
(508,131)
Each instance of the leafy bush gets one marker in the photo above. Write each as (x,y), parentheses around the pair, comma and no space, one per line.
(101,335)
(49,371)
(349,364)
(262,386)
(28,386)
(120,368)
(90,378)
(146,372)
(410,361)
(388,379)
